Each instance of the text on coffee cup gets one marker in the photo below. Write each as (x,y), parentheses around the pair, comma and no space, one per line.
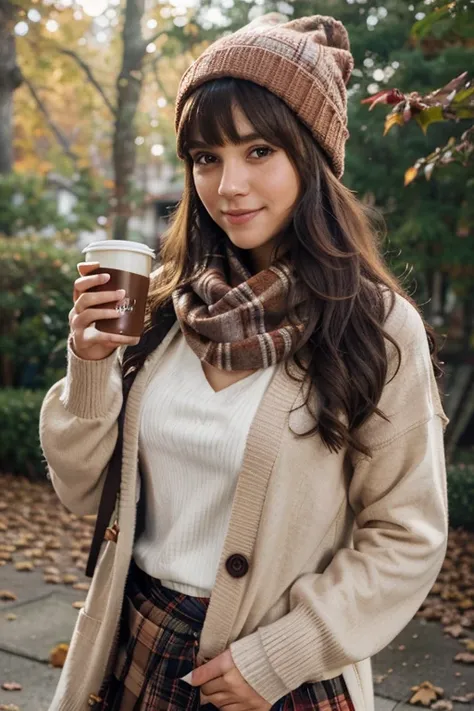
(127,304)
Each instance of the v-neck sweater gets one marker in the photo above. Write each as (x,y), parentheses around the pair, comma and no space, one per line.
(191,445)
(342,549)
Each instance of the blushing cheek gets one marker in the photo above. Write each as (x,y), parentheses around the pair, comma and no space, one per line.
(207,193)
(282,192)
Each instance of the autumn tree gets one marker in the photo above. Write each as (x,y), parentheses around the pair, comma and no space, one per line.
(83,105)
(10,80)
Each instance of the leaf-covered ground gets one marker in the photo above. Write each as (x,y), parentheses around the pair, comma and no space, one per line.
(37,532)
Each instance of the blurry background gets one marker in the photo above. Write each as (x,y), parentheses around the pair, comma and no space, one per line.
(87,151)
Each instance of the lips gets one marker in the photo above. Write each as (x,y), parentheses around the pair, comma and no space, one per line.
(239,217)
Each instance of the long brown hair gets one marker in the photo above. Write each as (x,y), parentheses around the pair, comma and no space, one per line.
(332,243)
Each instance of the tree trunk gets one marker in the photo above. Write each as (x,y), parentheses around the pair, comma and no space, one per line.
(129,85)
(10,79)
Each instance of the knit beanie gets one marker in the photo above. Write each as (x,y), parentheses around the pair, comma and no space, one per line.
(306,63)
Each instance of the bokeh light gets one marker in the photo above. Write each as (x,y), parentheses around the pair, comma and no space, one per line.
(34,15)
(21,29)
(52,26)
(94,8)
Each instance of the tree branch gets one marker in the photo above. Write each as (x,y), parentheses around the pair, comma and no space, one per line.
(153,38)
(88,72)
(159,83)
(156,36)
(57,132)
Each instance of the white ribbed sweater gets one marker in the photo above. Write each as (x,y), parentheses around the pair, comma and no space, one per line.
(192,443)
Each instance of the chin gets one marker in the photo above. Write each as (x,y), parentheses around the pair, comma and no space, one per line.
(247,241)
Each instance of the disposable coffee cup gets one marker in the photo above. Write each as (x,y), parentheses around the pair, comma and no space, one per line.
(129,265)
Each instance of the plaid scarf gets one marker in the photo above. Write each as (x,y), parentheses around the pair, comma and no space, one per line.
(234,320)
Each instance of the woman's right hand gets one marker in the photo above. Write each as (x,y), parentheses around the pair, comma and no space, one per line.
(87,342)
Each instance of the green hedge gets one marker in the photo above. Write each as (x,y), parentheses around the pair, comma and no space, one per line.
(37,278)
(461,495)
(20,452)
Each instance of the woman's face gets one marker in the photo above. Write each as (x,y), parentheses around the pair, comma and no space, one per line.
(249,189)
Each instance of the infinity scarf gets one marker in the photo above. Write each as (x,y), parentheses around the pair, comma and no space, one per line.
(234,320)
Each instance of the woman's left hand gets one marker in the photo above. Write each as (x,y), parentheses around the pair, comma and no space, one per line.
(224,686)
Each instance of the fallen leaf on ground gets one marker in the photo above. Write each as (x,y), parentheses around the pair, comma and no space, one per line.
(464,657)
(70,579)
(9,707)
(24,566)
(10,617)
(57,655)
(81,586)
(469,644)
(7,595)
(52,579)
(378,678)
(79,604)
(443,705)
(33,553)
(466,699)
(50,570)
(12,686)
(455,631)
(426,693)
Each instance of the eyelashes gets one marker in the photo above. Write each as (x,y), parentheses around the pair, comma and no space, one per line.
(201,158)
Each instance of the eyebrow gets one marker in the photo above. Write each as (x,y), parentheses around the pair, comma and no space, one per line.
(195,143)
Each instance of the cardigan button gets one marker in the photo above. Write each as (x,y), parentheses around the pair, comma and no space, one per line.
(237,565)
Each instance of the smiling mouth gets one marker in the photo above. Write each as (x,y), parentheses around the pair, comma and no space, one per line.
(238,218)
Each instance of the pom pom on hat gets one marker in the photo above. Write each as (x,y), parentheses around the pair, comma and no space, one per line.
(325,30)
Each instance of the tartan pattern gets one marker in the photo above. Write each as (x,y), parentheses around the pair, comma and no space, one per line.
(306,62)
(234,320)
(159,643)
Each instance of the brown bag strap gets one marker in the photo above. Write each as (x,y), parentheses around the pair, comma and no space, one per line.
(112,482)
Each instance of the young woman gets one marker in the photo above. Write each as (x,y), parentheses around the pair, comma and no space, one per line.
(284,415)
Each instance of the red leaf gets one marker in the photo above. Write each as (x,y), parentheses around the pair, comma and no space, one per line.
(388,96)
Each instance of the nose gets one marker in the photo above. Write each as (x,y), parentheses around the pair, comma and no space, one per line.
(234,180)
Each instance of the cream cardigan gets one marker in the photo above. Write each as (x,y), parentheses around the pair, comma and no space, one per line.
(342,549)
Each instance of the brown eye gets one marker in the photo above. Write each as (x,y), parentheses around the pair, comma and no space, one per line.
(203,159)
(263,151)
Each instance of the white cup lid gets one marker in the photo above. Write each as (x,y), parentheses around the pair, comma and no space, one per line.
(119,245)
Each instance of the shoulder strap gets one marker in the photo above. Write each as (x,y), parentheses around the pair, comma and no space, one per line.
(132,365)
(111,484)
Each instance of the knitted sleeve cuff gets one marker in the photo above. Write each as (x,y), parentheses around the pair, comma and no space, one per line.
(252,662)
(90,385)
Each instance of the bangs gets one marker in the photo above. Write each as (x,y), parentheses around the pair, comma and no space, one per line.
(208,114)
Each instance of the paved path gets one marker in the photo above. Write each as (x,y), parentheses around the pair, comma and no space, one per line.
(45,617)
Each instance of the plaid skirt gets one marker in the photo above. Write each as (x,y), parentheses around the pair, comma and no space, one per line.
(158,644)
